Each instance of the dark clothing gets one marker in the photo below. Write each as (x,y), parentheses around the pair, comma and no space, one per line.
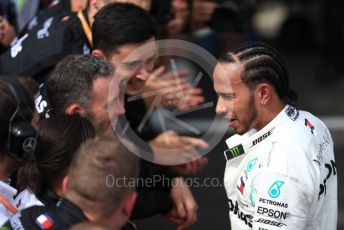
(40,49)
(37,52)
(149,203)
(63,216)
(154,199)
(53,9)
(48,198)
(135,113)
(2,49)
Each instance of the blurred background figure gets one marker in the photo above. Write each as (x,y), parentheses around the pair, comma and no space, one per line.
(17,138)
(18,16)
(7,32)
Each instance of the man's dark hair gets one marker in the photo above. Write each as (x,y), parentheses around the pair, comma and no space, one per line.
(117,24)
(72,79)
(262,63)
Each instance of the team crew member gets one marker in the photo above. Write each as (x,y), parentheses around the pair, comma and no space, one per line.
(280,171)
(85,82)
(39,179)
(17,138)
(137,29)
(87,195)
(7,33)
(47,41)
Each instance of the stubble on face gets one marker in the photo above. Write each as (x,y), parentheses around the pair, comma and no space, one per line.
(247,121)
(101,125)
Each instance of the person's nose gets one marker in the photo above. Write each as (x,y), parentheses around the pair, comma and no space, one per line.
(143,74)
(221,108)
(119,108)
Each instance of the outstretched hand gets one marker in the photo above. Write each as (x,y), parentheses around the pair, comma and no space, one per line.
(184,211)
(171,90)
(169,148)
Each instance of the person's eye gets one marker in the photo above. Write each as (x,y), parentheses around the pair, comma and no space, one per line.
(228,96)
(131,65)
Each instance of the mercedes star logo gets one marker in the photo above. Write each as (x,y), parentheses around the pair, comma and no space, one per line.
(29,144)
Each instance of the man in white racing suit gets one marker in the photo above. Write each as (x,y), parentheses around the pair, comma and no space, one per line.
(280,170)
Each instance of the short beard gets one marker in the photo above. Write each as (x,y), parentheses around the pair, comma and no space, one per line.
(99,126)
(251,115)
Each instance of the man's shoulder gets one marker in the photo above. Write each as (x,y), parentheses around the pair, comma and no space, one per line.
(298,142)
(36,217)
(302,128)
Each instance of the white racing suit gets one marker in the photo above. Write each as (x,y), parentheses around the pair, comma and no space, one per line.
(283,176)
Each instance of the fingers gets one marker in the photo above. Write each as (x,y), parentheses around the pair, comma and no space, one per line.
(191,213)
(184,98)
(194,97)
(184,203)
(171,148)
(181,210)
(174,96)
(173,217)
(197,165)
(172,90)
(157,72)
(164,138)
(175,75)
(196,142)
(188,152)
(174,155)
(181,87)
(176,220)
(192,102)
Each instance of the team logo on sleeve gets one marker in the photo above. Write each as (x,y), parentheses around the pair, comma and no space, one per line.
(44,221)
(309,125)
(234,152)
(274,190)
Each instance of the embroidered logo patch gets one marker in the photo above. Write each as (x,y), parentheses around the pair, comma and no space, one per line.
(44,221)
(234,152)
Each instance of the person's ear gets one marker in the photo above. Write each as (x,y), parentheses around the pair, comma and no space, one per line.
(129,203)
(75,108)
(98,53)
(263,93)
(64,184)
